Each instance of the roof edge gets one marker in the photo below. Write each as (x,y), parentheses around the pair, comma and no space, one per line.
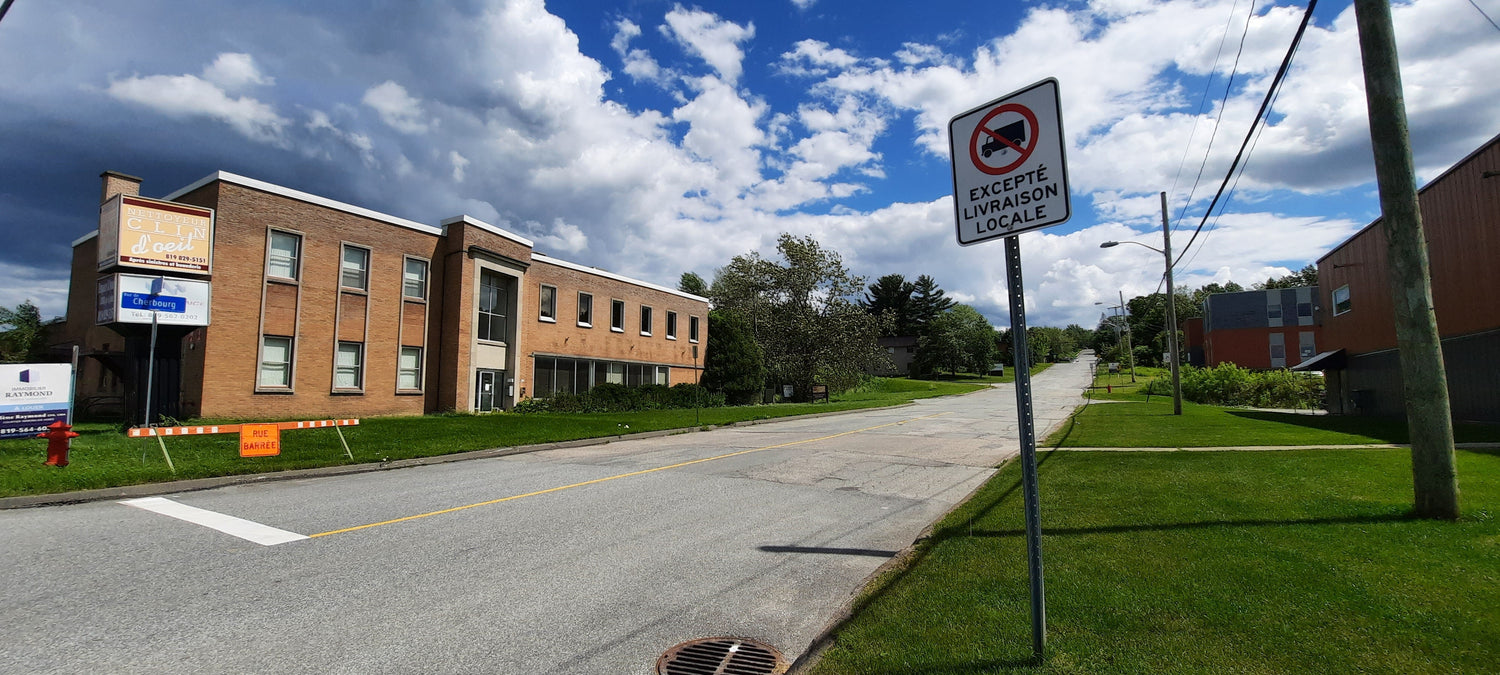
(299,195)
(470,220)
(611,275)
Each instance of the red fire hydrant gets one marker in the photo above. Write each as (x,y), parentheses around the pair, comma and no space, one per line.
(57,442)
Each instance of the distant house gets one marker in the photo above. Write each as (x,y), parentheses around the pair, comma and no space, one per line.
(1274,328)
(1461,217)
(901,350)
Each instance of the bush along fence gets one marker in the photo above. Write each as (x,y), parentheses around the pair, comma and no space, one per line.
(1231,385)
(620,398)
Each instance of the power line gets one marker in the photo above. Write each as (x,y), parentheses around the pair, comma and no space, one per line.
(1203,100)
(1286,63)
(6,8)
(1228,88)
(1476,6)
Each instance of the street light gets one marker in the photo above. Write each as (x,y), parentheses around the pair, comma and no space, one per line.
(1166,233)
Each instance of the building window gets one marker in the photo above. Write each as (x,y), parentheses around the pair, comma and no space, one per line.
(1273,312)
(348,370)
(409,369)
(662,374)
(414,279)
(275,362)
(1304,310)
(585,310)
(541,378)
(492,306)
(354,272)
(692,329)
(671,325)
(1341,300)
(284,255)
(553,375)
(1278,351)
(547,304)
(617,316)
(645,321)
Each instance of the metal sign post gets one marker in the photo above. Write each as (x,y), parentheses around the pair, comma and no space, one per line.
(1010,176)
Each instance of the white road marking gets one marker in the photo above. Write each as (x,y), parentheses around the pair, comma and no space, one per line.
(265,535)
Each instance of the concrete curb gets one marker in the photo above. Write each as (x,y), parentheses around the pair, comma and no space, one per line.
(196,484)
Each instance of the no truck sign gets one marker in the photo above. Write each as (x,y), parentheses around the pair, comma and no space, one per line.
(1010,174)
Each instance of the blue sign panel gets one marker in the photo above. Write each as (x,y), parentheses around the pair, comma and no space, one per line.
(159,303)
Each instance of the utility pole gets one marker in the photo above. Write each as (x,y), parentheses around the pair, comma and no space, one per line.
(1423,378)
(1124,318)
(1166,244)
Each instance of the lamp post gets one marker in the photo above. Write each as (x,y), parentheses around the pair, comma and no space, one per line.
(1166,252)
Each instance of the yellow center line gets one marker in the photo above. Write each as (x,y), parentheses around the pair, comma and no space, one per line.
(623,475)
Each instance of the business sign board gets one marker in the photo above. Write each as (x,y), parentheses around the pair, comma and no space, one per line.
(153,234)
(32,396)
(134,298)
(1010,173)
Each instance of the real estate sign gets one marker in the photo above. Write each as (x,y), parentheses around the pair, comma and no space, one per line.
(32,396)
(153,234)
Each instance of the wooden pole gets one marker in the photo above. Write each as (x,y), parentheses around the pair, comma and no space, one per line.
(1424,380)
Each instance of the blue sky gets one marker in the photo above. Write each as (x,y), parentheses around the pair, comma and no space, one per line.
(653,138)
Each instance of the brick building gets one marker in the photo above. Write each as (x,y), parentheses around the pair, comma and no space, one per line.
(1461,220)
(320,308)
(1274,328)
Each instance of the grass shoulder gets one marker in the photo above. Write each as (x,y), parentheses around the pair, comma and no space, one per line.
(1298,561)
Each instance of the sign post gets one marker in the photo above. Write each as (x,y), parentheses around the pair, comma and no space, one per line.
(1010,176)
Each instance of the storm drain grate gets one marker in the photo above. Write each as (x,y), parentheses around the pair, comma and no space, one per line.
(722,656)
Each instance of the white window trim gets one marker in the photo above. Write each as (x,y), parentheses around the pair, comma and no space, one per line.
(426,278)
(1335,300)
(301,254)
(359,388)
(691,320)
(671,321)
(612,327)
(648,320)
(421,371)
(369,263)
(540,306)
(581,322)
(291,365)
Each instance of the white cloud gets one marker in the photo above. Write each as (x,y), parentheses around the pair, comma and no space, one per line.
(714,40)
(188,96)
(233,71)
(564,238)
(459,164)
(396,107)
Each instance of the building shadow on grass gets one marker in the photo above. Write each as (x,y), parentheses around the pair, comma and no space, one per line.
(1385,430)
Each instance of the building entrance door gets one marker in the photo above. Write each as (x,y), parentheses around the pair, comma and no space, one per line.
(487,395)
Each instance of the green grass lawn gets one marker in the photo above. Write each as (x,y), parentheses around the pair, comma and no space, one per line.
(970,378)
(1200,562)
(102,456)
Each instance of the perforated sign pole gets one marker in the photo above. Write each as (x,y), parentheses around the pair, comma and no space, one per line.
(1010,176)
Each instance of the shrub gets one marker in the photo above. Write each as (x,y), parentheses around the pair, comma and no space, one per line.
(1229,384)
(610,397)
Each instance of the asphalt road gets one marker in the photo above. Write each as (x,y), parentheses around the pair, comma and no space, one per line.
(584,560)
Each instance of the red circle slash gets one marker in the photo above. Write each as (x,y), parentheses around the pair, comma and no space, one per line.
(1023,150)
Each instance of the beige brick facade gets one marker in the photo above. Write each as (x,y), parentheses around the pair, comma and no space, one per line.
(347,331)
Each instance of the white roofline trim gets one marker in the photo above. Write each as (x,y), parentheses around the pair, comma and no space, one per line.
(611,275)
(85,238)
(470,220)
(305,197)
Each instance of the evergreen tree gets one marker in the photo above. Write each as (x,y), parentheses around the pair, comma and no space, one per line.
(890,298)
(734,363)
(692,283)
(958,339)
(1307,276)
(927,303)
